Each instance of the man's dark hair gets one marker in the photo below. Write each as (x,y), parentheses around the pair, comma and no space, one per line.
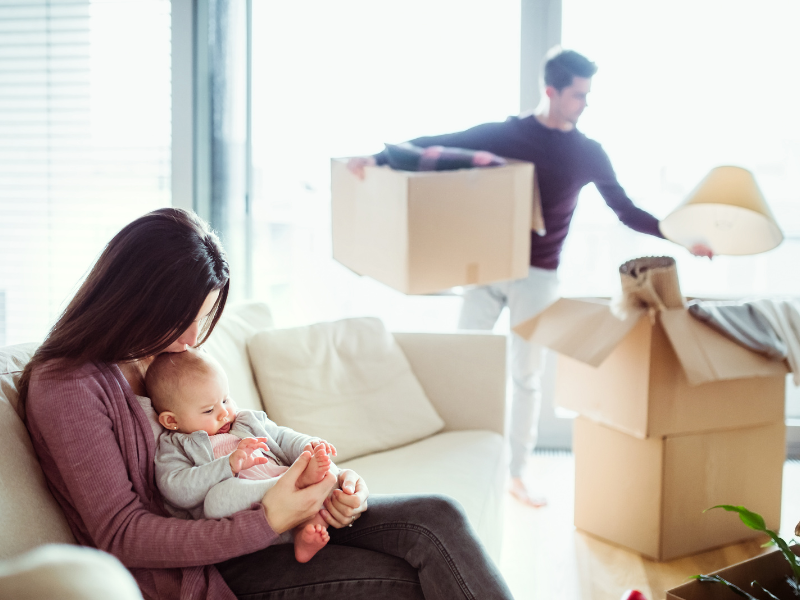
(561,66)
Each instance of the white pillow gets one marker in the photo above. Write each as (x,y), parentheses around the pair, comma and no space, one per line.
(347,382)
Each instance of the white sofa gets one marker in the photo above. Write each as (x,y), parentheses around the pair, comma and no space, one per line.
(463,375)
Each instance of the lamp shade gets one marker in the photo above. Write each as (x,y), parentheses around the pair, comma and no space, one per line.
(726,212)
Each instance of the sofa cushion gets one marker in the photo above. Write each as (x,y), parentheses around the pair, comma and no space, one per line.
(347,382)
(29,515)
(467,465)
(228,344)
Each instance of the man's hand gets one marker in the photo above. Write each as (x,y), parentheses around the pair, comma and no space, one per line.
(701,250)
(356,165)
(244,456)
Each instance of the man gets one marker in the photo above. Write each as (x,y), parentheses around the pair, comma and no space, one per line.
(566,161)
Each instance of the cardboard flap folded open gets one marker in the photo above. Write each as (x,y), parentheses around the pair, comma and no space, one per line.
(581,328)
(707,355)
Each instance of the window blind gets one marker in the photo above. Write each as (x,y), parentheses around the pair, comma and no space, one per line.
(84,143)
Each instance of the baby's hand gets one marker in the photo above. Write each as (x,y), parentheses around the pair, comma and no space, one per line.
(329,448)
(244,456)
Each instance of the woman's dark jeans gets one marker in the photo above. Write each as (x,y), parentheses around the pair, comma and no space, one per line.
(403,547)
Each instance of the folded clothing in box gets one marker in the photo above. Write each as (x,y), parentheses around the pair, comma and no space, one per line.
(408,157)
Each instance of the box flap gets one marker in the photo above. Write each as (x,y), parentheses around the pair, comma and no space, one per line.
(582,328)
(707,355)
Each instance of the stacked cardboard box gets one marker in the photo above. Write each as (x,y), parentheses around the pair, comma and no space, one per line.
(675,418)
(424,232)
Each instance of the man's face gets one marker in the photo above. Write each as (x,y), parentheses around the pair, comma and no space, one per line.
(568,104)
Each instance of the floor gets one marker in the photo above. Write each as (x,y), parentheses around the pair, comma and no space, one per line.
(544,557)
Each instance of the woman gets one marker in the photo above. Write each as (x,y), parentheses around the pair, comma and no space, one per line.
(160,286)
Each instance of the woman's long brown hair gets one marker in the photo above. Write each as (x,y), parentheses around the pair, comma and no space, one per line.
(143,292)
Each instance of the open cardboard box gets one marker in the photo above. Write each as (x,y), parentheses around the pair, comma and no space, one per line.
(424,232)
(655,373)
(770,570)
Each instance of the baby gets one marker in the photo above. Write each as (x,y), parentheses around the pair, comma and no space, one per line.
(216,461)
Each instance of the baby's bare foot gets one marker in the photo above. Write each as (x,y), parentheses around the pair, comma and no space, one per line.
(316,469)
(308,541)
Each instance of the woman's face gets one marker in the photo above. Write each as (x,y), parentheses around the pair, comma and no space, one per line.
(189,337)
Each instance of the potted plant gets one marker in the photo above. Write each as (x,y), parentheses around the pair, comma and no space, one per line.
(773,576)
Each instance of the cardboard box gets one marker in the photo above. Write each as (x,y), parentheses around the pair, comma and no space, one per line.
(649,495)
(654,374)
(423,232)
(770,570)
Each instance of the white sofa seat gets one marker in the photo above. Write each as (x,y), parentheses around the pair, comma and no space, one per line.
(466,465)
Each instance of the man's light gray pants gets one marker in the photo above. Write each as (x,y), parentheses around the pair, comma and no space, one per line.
(525,298)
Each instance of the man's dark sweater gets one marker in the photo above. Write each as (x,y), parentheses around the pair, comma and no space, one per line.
(565,162)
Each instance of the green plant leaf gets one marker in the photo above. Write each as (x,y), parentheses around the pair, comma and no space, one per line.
(749,518)
(791,557)
(734,588)
(765,590)
(756,521)
(794,585)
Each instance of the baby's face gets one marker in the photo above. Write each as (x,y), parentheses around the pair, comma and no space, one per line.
(204,405)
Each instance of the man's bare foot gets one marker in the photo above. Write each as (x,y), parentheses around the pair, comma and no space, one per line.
(315,471)
(521,493)
(309,540)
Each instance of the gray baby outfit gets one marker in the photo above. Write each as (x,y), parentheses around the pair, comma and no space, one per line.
(197,485)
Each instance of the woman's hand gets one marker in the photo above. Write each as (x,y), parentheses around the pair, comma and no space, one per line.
(244,456)
(285,506)
(344,506)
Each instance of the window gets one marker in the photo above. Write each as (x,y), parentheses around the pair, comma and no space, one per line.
(356,75)
(84,143)
(681,88)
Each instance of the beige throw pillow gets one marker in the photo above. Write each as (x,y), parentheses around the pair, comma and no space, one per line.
(347,382)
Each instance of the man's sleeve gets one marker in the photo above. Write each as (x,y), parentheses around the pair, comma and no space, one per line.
(631,215)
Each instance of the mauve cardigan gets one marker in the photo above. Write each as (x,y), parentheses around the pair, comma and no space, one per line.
(96,448)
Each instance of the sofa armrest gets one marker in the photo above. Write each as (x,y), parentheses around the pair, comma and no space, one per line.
(66,572)
(463,374)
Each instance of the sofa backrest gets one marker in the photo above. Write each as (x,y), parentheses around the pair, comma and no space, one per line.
(228,344)
(29,515)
